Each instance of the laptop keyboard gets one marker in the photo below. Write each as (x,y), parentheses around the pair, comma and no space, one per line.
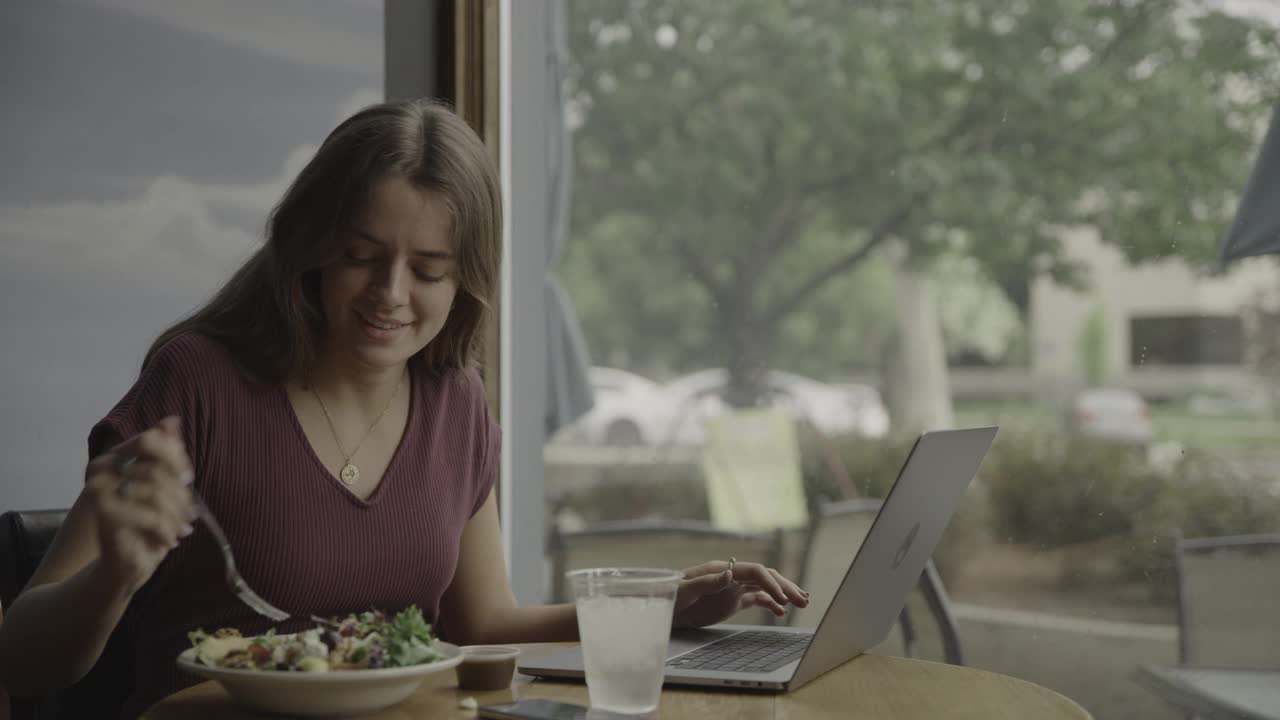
(750,651)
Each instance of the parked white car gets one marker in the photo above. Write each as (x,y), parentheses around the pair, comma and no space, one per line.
(868,406)
(629,410)
(1117,414)
(831,409)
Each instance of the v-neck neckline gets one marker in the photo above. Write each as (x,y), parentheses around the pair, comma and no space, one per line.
(388,475)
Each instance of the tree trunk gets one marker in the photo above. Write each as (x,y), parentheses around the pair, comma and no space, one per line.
(746,343)
(917,389)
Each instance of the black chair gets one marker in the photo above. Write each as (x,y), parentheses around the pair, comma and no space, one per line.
(1227,590)
(1226,621)
(25,536)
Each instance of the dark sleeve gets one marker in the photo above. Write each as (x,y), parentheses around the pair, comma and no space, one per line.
(170,384)
(488,442)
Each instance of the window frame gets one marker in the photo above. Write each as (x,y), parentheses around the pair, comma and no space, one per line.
(487,58)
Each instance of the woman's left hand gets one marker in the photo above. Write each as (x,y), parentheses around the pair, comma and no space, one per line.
(712,592)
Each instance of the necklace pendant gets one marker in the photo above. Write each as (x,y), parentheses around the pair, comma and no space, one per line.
(349,474)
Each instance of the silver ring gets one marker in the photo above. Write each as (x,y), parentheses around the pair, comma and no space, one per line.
(732,560)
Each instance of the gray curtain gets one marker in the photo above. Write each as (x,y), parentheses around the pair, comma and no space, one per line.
(1256,228)
(568,390)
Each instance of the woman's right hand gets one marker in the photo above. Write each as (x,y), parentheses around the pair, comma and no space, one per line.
(139,495)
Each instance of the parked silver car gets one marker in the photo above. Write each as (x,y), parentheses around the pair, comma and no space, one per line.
(1114,414)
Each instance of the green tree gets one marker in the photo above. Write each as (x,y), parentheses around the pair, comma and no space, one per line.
(735,161)
(1092,342)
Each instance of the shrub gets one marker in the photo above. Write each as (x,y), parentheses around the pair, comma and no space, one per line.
(630,492)
(1052,490)
(1203,497)
(1043,490)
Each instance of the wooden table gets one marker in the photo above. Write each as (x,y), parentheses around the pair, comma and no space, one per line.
(1234,694)
(870,686)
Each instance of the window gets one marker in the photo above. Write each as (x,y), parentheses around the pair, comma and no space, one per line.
(1186,340)
(877,201)
(145,143)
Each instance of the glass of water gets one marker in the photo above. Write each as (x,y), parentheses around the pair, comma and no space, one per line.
(624,618)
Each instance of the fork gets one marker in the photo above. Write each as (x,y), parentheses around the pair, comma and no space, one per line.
(237,583)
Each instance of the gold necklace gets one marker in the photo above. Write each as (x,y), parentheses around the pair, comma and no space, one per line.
(350,473)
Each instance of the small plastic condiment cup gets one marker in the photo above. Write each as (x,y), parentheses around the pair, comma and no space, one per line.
(487,667)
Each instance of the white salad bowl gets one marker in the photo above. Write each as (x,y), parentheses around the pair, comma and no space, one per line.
(322,694)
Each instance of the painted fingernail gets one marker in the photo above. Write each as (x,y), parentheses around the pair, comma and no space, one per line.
(187,477)
(186,530)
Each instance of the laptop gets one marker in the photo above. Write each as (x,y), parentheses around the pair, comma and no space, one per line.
(881,573)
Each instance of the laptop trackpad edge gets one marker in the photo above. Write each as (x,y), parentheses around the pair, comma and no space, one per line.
(683,641)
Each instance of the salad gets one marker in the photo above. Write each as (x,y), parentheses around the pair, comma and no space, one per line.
(369,640)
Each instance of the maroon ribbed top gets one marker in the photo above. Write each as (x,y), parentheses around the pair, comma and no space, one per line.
(301,539)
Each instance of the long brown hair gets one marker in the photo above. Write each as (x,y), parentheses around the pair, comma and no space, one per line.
(269,314)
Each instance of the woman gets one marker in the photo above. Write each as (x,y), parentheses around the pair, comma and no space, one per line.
(325,407)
